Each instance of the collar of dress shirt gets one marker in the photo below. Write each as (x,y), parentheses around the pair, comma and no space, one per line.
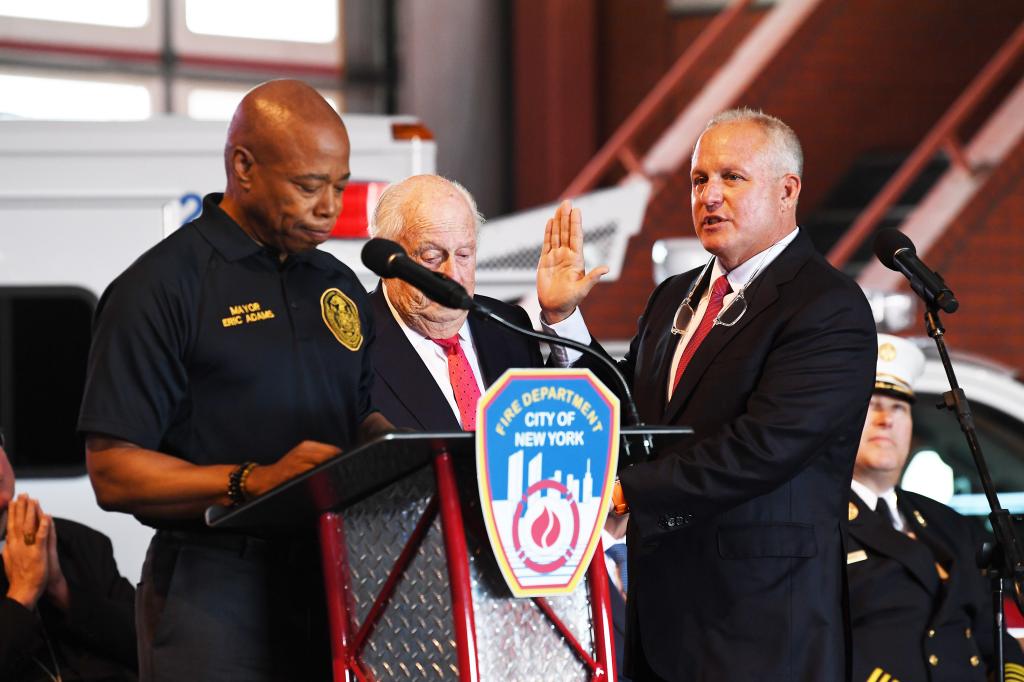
(865,493)
(870,498)
(739,276)
(436,362)
(607,540)
(613,570)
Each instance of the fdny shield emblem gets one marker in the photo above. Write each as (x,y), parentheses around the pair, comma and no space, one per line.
(547,444)
(342,317)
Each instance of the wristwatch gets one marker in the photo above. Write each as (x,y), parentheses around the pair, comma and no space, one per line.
(619,506)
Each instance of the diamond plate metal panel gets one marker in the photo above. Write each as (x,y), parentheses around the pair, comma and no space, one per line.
(515,641)
(414,638)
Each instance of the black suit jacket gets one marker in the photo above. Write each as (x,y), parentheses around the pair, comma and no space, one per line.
(96,640)
(406,393)
(902,613)
(736,534)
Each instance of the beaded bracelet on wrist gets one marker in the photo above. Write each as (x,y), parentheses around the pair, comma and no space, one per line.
(236,483)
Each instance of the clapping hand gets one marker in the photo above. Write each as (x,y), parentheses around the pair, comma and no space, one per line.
(26,552)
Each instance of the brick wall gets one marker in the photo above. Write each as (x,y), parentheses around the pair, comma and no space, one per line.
(859,77)
(981,257)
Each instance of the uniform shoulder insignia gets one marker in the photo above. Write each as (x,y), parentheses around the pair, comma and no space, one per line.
(879,675)
(1014,672)
(341,316)
(853,511)
(920,519)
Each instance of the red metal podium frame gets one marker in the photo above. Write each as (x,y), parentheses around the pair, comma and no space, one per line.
(347,640)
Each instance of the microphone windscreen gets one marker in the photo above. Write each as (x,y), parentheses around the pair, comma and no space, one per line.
(377,253)
(888,242)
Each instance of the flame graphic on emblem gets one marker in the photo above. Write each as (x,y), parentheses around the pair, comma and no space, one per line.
(545,529)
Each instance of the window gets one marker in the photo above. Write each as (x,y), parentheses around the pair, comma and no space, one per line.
(301,33)
(303,21)
(122,13)
(938,441)
(44,344)
(131,59)
(208,102)
(81,99)
(107,29)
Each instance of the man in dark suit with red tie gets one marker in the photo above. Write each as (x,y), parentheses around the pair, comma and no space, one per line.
(919,607)
(736,535)
(425,381)
(431,362)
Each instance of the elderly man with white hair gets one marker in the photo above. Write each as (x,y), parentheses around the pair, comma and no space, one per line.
(919,607)
(432,363)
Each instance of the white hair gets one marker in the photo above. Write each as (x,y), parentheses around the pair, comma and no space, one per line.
(388,219)
(786,150)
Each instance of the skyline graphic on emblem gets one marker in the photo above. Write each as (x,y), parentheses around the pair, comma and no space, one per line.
(541,515)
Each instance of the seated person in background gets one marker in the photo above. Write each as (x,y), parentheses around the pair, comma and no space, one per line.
(919,608)
(67,614)
(431,363)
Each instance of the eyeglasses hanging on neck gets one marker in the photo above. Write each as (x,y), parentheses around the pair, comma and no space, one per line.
(728,315)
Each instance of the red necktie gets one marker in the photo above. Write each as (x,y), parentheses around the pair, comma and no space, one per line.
(718,292)
(467,391)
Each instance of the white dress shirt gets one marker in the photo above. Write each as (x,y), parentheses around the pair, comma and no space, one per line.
(435,359)
(871,500)
(613,569)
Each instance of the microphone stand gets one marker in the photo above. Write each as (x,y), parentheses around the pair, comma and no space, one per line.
(1002,561)
(632,415)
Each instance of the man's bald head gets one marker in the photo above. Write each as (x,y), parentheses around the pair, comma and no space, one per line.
(270,112)
(287,161)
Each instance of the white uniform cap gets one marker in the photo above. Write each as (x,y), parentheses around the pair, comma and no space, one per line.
(900,365)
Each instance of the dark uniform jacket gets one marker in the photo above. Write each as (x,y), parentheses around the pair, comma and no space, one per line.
(96,640)
(736,535)
(909,623)
(404,390)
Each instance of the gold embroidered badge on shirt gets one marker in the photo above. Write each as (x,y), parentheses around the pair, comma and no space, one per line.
(342,317)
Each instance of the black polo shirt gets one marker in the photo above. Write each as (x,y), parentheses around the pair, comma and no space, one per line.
(211,349)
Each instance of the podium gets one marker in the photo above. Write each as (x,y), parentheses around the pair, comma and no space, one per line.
(412,587)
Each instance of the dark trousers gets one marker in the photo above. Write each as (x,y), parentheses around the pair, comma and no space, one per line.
(221,607)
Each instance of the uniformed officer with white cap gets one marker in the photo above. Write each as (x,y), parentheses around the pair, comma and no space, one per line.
(919,608)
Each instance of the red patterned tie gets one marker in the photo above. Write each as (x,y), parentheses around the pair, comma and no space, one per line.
(718,292)
(467,391)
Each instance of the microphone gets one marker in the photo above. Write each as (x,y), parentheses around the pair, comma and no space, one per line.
(896,252)
(388,259)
